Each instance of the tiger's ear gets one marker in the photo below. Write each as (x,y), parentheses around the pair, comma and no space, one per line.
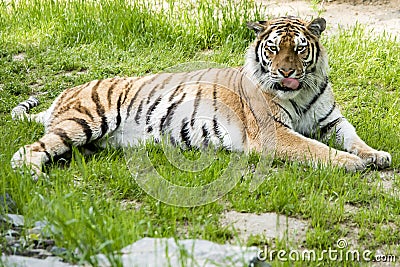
(317,26)
(257,26)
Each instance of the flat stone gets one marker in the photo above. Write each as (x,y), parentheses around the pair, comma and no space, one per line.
(42,229)
(14,219)
(160,252)
(269,225)
(20,261)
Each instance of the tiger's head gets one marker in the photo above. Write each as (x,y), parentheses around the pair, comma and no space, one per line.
(287,56)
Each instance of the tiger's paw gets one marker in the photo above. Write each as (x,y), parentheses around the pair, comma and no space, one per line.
(350,162)
(380,159)
(24,161)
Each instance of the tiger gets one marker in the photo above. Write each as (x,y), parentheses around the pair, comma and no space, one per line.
(280,103)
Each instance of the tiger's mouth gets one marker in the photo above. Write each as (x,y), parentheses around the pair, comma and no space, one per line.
(288,84)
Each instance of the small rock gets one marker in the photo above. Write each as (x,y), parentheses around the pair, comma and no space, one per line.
(42,229)
(57,251)
(32,262)
(271,225)
(36,253)
(13,219)
(11,233)
(159,252)
(44,244)
(255,262)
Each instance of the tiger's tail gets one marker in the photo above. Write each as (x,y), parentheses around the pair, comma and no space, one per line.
(21,111)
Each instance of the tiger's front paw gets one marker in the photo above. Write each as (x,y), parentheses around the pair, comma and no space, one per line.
(350,162)
(26,160)
(380,159)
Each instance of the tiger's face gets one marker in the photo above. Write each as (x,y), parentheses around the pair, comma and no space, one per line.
(286,53)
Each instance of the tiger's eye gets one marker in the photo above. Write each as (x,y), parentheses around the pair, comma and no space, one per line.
(300,49)
(273,48)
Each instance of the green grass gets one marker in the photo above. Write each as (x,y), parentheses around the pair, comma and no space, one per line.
(65,43)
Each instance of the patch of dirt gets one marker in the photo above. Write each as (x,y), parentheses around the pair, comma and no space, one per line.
(269,225)
(387,184)
(377,16)
(361,2)
(19,57)
(350,209)
(73,73)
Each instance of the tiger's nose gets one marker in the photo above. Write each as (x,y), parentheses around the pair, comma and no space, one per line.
(286,72)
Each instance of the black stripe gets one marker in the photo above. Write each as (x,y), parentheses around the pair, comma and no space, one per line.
(175,92)
(215,97)
(152,108)
(127,89)
(312,52)
(196,106)
(325,129)
(205,135)
(263,69)
(263,64)
(284,109)
(229,81)
(256,51)
(328,114)
(32,102)
(64,94)
(128,112)
(166,81)
(43,146)
(266,33)
(202,75)
(85,127)
(315,98)
(216,128)
(240,92)
(166,119)
(311,70)
(139,112)
(152,92)
(317,51)
(111,90)
(185,132)
(296,108)
(118,111)
(137,93)
(81,109)
(25,105)
(100,110)
(216,81)
(280,122)
(64,137)
(172,140)
(71,99)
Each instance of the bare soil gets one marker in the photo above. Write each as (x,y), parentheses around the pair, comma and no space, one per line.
(376,15)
